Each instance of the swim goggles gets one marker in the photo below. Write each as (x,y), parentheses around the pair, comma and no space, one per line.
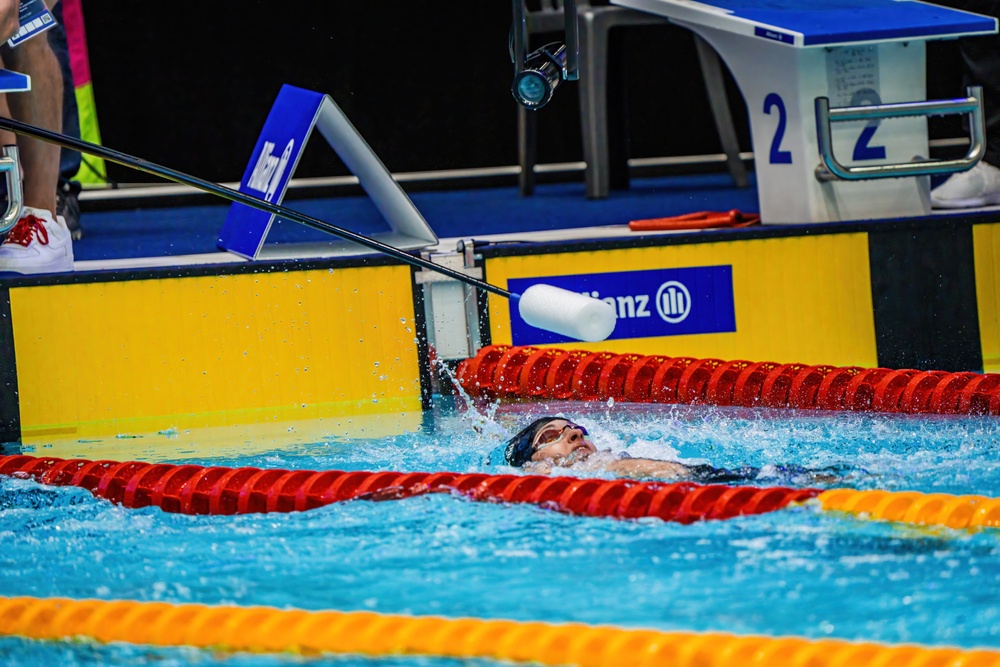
(552,435)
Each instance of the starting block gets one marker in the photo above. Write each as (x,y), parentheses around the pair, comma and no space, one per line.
(836,96)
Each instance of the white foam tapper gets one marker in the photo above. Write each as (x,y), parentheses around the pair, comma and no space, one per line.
(567,313)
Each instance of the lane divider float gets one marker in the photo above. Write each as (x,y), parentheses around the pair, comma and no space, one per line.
(194,489)
(270,630)
(518,373)
(922,509)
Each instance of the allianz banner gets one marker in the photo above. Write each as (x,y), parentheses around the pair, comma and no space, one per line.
(649,304)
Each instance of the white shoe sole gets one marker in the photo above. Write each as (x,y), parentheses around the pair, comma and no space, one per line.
(974,202)
(50,267)
(33,270)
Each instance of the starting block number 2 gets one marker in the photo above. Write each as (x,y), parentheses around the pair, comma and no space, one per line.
(778,156)
(863,150)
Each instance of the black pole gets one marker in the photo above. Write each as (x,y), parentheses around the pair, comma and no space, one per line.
(241,198)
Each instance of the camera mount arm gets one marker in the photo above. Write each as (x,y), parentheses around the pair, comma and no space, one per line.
(537,74)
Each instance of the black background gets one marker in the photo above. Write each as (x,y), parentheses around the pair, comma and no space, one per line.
(189,84)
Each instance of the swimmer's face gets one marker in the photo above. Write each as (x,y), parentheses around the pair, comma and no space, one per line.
(562,442)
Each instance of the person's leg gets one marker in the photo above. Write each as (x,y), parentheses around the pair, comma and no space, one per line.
(7,138)
(8,19)
(8,26)
(42,106)
(39,242)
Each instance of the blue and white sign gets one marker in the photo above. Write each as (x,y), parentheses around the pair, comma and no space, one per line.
(14,82)
(272,163)
(296,112)
(34,18)
(776,35)
(649,304)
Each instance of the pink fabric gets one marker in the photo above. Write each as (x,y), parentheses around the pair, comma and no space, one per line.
(76,39)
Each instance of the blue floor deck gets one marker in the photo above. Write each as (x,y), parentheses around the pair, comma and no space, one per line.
(191,230)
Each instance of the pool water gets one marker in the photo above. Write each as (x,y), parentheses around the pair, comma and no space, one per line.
(799,571)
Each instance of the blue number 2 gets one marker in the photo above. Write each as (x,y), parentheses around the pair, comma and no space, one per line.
(863,150)
(778,156)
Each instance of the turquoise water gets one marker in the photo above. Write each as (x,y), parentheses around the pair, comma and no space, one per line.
(795,572)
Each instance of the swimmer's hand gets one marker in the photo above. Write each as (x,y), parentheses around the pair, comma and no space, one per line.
(823,478)
(545,466)
(538,467)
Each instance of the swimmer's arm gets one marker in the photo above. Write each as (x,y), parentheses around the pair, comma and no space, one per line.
(538,467)
(649,468)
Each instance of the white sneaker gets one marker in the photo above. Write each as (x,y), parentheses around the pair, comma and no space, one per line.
(37,244)
(979,186)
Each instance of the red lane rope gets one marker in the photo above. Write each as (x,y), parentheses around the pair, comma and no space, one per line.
(194,489)
(503,371)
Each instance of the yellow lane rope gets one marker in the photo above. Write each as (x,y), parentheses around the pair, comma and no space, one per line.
(268,630)
(925,509)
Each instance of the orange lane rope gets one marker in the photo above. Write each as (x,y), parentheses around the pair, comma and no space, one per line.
(270,630)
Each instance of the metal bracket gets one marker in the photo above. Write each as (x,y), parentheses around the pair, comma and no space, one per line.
(832,170)
(467,249)
(571,69)
(451,307)
(454,262)
(11,167)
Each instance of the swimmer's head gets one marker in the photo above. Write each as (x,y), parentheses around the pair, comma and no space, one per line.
(549,438)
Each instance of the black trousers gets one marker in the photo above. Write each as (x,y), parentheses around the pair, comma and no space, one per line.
(981,67)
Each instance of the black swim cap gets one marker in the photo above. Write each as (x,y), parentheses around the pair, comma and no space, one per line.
(520,448)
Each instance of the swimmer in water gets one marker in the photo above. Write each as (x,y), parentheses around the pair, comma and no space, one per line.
(554,442)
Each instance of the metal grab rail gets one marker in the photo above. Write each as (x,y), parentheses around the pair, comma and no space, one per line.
(830,169)
(10,166)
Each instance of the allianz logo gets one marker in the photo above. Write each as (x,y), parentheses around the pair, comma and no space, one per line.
(269,169)
(672,303)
